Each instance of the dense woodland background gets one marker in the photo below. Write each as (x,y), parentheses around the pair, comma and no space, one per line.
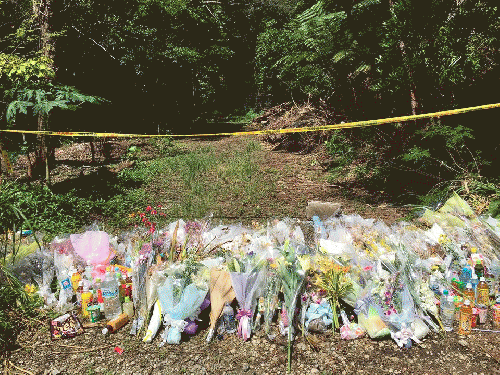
(160,66)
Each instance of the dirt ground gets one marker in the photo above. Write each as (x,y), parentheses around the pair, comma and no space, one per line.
(301,178)
(92,353)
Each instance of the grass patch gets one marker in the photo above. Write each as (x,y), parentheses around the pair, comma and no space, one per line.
(194,184)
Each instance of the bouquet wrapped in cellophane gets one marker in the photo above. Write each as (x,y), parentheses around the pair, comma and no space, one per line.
(248,279)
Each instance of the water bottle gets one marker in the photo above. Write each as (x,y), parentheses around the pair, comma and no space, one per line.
(474,281)
(466,272)
(228,319)
(112,305)
(483,293)
(433,284)
(448,313)
(444,297)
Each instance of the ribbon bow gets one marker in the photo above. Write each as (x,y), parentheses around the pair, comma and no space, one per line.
(242,313)
(173,330)
(404,337)
(244,329)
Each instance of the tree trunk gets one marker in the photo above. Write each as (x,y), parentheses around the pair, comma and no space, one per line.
(41,11)
(402,48)
(413,97)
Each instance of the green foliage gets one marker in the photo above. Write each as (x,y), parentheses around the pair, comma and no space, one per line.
(18,310)
(241,117)
(22,69)
(444,156)
(133,153)
(47,212)
(494,208)
(43,99)
(317,52)
(445,48)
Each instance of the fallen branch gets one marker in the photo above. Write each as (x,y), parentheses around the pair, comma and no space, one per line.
(20,369)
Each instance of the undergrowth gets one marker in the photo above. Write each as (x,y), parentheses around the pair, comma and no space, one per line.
(416,164)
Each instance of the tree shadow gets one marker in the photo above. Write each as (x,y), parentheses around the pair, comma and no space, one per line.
(101,184)
(395,187)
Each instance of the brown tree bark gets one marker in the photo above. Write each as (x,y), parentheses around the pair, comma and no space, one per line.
(41,11)
(413,97)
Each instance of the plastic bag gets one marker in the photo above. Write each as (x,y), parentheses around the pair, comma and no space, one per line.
(92,246)
(350,331)
(370,320)
(246,287)
(177,304)
(319,311)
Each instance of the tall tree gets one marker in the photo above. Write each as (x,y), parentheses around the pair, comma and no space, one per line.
(42,13)
(27,73)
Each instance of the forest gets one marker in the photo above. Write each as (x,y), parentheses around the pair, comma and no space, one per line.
(180,66)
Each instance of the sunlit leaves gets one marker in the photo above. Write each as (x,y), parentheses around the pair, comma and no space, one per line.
(17,68)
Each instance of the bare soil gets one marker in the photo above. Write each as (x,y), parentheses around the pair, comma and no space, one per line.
(92,353)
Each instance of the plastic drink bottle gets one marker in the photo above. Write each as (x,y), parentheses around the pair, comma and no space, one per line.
(448,313)
(490,280)
(458,305)
(469,294)
(474,281)
(66,289)
(454,285)
(112,305)
(464,327)
(79,292)
(433,284)
(228,319)
(444,297)
(479,268)
(466,272)
(115,324)
(75,278)
(128,307)
(86,297)
(483,293)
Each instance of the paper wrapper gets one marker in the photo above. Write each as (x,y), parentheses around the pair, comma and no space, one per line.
(221,291)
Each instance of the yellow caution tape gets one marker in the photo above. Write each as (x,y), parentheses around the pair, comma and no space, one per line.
(347,125)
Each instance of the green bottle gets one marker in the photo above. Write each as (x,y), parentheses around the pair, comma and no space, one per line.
(479,269)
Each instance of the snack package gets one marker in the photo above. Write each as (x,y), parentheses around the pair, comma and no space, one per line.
(373,324)
(65,326)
